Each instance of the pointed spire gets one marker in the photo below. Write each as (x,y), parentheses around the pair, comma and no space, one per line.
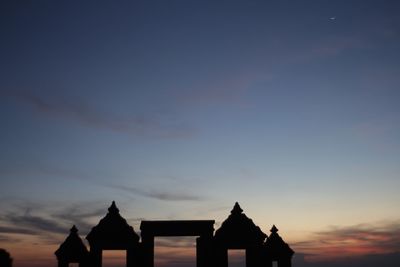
(74,230)
(113,208)
(236,209)
(112,228)
(72,249)
(274,230)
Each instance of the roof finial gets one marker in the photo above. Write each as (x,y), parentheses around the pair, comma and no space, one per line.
(236,209)
(274,229)
(113,208)
(74,230)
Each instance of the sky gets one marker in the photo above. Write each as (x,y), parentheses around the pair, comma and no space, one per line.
(177,109)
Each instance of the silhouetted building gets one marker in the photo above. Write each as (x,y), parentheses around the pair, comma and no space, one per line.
(236,232)
(277,250)
(5,258)
(113,233)
(202,228)
(72,250)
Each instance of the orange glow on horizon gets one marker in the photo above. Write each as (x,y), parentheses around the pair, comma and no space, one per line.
(331,250)
(177,250)
(114,258)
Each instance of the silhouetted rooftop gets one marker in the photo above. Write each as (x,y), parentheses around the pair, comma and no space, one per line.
(73,249)
(238,230)
(112,231)
(275,245)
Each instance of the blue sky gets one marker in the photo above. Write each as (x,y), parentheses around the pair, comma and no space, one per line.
(177,109)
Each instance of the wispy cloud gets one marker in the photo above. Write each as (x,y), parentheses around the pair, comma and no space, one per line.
(232,88)
(353,241)
(45,224)
(65,173)
(79,216)
(39,168)
(324,48)
(176,242)
(28,223)
(149,125)
(387,260)
(168,254)
(337,45)
(159,194)
(8,239)
(16,230)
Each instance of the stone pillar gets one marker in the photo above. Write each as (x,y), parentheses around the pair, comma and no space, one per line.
(254,257)
(204,251)
(147,250)
(96,257)
(285,263)
(133,256)
(220,256)
(130,257)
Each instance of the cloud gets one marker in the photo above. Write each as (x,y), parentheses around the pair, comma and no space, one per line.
(352,242)
(16,230)
(51,227)
(328,47)
(149,125)
(8,239)
(33,224)
(174,256)
(338,45)
(387,260)
(53,171)
(176,242)
(48,231)
(76,215)
(159,195)
(232,88)
(38,167)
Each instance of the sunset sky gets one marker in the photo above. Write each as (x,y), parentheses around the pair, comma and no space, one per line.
(176,109)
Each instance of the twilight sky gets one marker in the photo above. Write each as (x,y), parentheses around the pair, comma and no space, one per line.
(177,109)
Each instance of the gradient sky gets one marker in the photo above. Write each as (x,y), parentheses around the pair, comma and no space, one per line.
(177,109)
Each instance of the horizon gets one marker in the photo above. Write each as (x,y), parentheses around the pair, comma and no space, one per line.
(178,109)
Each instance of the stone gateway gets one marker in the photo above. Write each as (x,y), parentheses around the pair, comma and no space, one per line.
(236,232)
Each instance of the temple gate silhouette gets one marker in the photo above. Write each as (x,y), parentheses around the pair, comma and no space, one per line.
(236,232)
(239,232)
(203,229)
(72,251)
(113,233)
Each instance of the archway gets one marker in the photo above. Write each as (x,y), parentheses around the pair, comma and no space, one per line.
(239,232)
(202,228)
(113,233)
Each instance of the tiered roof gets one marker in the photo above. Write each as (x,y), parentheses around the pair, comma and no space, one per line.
(73,249)
(276,247)
(239,231)
(112,232)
